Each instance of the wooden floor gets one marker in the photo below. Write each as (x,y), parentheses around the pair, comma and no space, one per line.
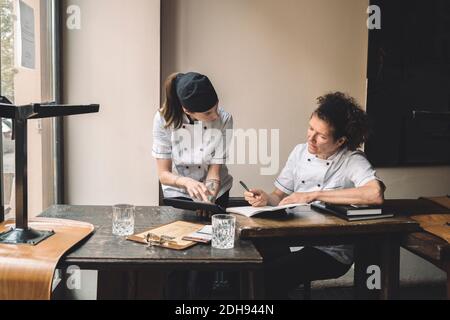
(419,292)
(422,292)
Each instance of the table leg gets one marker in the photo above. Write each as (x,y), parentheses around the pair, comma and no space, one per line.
(251,285)
(150,284)
(364,257)
(244,285)
(447,269)
(381,253)
(116,285)
(256,284)
(390,268)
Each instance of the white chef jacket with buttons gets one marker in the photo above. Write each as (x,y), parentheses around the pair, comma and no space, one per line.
(192,148)
(305,172)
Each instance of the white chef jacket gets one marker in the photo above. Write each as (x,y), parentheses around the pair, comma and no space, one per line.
(192,148)
(305,172)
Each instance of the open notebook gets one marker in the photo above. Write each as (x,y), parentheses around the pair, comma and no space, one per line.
(251,211)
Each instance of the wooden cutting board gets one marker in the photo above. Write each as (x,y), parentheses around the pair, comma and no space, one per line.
(26,272)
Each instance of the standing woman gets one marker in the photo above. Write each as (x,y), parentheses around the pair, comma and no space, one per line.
(190,147)
(189,140)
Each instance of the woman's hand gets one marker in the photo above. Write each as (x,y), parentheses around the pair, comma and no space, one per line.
(257,198)
(299,197)
(213,186)
(196,189)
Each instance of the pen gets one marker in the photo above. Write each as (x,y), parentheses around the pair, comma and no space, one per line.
(245,187)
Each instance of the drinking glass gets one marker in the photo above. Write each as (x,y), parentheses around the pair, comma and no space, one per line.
(123,219)
(223,229)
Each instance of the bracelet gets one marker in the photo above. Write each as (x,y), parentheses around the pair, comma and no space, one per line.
(215,180)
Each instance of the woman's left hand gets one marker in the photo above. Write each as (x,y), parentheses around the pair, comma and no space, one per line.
(299,197)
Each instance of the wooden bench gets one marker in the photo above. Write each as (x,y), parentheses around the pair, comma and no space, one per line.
(424,244)
(432,249)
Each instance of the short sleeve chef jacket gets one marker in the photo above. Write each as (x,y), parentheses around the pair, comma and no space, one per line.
(305,172)
(192,148)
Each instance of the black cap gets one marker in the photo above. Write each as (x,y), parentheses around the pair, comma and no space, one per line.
(195,92)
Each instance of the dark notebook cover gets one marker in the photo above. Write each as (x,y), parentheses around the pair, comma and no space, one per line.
(187,204)
(321,207)
(355,210)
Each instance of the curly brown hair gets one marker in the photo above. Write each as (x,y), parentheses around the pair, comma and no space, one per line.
(345,116)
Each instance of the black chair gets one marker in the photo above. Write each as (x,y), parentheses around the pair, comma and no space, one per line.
(240,202)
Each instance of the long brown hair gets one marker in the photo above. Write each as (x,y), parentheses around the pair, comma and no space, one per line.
(172,110)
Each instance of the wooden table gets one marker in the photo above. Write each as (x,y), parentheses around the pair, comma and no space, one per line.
(127,270)
(376,242)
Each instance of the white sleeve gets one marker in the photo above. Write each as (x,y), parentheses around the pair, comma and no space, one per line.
(285,181)
(220,154)
(162,145)
(359,169)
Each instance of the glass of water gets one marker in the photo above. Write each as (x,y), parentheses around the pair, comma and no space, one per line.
(123,219)
(223,229)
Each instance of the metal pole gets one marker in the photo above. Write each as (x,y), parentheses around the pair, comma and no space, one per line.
(58,123)
(2,185)
(2,176)
(21,174)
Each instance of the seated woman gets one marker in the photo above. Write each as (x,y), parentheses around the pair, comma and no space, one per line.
(329,168)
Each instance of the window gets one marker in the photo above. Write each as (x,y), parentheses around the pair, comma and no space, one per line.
(27,76)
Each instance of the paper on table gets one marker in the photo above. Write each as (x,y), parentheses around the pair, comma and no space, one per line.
(203,235)
(206,229)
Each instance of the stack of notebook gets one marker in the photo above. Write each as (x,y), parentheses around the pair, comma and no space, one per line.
(352,212)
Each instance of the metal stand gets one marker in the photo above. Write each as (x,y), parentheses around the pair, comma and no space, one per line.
(22,234)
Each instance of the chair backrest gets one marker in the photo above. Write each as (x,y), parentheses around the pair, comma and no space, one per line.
(161,194)
(237,202)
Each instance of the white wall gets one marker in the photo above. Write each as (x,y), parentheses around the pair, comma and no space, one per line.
(269,60)
(113,60)
(414,182)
